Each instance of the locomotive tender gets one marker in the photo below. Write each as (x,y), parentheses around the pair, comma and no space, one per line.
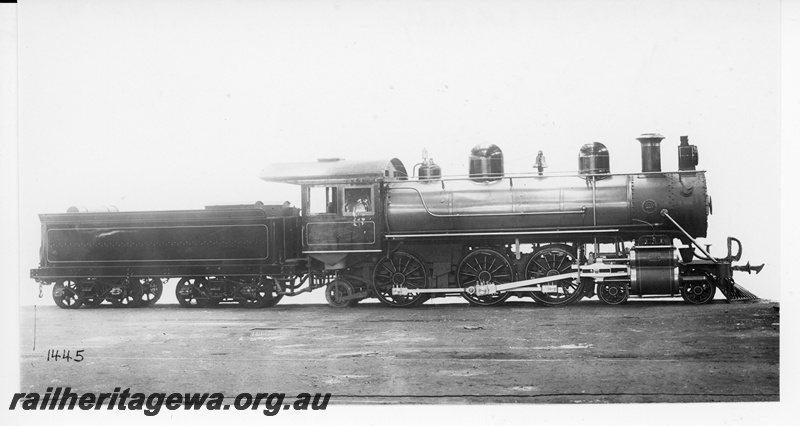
(368,229)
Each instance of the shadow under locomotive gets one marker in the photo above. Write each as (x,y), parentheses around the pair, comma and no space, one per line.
(365,229)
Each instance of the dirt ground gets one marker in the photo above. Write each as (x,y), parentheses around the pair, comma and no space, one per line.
(644,351)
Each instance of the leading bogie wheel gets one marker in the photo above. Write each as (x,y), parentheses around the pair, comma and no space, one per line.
(698,293)
(612,293)
(484,266)
(551,260)
(67,294)
(400,269)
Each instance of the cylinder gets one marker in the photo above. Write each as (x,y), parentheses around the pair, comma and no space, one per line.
(486,163)
(651,152)
(654,270)
(687,155)
(594,159)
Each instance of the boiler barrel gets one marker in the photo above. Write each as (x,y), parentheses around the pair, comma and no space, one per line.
(547,204)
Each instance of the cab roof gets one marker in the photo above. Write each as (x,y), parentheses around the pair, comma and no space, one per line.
(335,170)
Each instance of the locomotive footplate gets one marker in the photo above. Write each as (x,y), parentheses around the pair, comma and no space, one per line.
(599,271)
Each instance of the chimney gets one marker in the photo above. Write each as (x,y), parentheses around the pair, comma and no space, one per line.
(651,152)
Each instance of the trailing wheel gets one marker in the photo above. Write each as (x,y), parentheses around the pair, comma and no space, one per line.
(400,269)
(555,259)
(613,292)
(67,294)
(484,266)
(192,292)
(361,287)
(337,293)
(698,293)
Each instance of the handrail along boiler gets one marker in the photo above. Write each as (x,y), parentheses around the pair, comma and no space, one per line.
(367,229)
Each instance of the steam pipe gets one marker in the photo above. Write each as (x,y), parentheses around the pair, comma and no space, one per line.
(665,213)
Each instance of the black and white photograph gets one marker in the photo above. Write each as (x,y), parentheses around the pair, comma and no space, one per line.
(399,211)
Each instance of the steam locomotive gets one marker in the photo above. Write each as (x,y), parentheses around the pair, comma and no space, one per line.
(367,229)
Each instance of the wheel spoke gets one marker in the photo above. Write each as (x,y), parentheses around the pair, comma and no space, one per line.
(401,268)
(557,260)
(484,265)
(191,292)
(541,268)
(493,271)
(416,268)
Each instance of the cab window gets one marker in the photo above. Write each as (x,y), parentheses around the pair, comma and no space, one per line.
(358,200)
(323,199)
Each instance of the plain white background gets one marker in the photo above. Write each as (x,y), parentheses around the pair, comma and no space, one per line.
(168,105)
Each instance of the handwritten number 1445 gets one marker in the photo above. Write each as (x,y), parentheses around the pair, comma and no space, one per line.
(55,355)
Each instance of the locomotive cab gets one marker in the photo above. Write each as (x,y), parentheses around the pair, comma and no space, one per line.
(342,204)
(340,220)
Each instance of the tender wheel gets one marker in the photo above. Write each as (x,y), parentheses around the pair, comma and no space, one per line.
(337,292)
(612,293)
(192,292)
(152,288)
(552,260)
(698,293)
(126,294)
(404,269)
(93,292)
(67,294)
(485,266)
(259,293)
(272,294)
(93,302)
(273,301)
